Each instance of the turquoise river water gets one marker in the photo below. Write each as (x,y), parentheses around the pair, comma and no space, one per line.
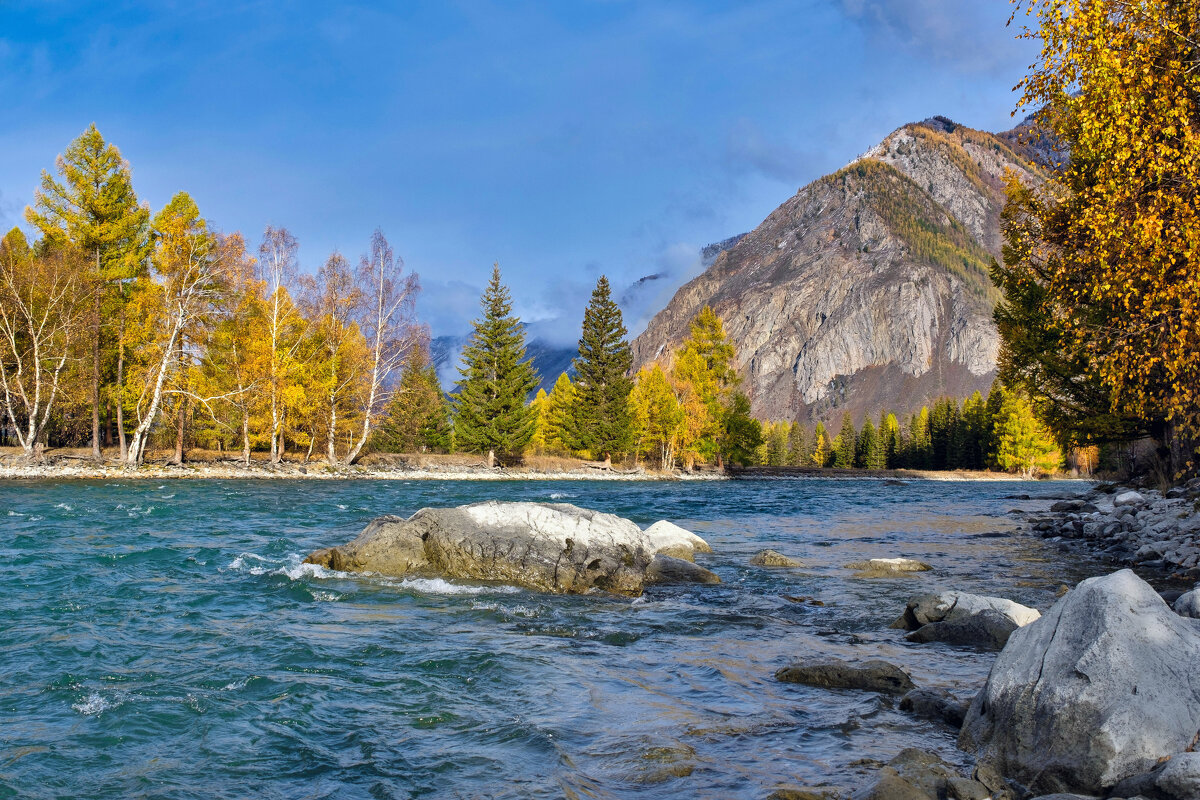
(162,639)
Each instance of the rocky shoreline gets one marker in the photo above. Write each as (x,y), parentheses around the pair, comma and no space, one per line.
(78,469)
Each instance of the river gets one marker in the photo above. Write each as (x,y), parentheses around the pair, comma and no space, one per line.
(162,639)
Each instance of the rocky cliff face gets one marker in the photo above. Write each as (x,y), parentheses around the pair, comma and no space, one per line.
(869,288)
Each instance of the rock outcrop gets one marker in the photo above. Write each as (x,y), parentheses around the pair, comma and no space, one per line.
(964,619)
(773,558)
(1098,690)
(540,546)
(869,288)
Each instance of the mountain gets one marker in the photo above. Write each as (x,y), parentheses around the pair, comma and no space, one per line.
(549,360)
(868,289)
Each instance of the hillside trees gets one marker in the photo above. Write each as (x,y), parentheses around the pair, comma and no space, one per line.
(490,413)
(39,313)
(93,208)
(1103,260)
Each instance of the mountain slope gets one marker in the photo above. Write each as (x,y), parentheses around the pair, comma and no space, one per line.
(869,288)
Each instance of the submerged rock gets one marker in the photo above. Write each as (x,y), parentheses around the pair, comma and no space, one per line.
(668,569)
(833,673)
(988,630)
(1099,689)
(917,775)
(773,558)
(936,704)
(552,547)
(888,566)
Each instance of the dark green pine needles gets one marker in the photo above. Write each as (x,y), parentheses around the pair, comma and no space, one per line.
(603,424)
(490,413)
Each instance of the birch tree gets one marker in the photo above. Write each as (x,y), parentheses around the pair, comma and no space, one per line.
(39,316)
(187,261)
(388,321)
(285,325)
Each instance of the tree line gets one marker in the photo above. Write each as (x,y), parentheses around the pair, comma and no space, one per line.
(120,326)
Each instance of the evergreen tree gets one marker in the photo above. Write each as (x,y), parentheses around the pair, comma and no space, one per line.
(943,422)
(889,434)
(918,444)
(777,444)
(602,421)
(975,423)
(845,444)
(869,453)
(995,402)
(490,413)
(416,419)
(95,210)
(743,433)
(799,445)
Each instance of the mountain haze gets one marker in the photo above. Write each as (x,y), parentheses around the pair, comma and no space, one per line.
(868,289)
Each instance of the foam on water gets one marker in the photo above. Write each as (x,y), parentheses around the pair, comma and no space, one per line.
(442,586)
(94,705)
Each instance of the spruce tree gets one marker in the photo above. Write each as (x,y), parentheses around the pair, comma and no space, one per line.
(846,444)
(415,419)
(602,421)
(490,413)
(800,446)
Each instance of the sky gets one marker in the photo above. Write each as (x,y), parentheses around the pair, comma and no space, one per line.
(562,139)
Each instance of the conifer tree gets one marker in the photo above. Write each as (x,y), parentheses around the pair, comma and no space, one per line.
(561,406)
(658,416)
(490,413)
(416,418)
(889,432)
(846,444)
(799,445)
(869,453)
(743,433)
(94,209)
(1022,444)
(821,447)
(777,444)
(602,421)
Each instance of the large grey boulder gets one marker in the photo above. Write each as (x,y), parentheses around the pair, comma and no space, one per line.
(1099,689)
(553,547)
(1188,604)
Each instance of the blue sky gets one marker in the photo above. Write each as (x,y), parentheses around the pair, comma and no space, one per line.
(563,139)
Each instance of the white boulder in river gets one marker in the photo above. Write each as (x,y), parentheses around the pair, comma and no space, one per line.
(553,547)
(1099,689)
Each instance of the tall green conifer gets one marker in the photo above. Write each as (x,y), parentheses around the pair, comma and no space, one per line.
(94,209)
(490,413)
(602,421)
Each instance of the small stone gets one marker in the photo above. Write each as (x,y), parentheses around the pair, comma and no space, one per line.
(1129,498)
(888,566)
(773,558)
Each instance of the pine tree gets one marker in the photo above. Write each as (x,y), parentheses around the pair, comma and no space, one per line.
(743,433)
(777,444)
(490,413)
(975,422)
(95,210)
(799,445)
(869,453)
(602,422)
(889,432)
(416,418)
(846,443)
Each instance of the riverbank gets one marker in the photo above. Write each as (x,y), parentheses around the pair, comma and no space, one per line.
(78,464)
